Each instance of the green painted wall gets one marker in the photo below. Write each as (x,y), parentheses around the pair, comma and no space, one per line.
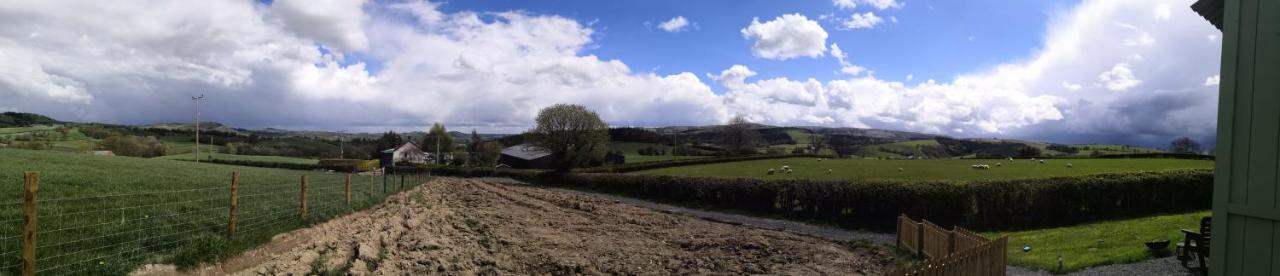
(1246,201)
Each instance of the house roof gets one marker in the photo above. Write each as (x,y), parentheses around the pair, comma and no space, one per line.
(1211,10)
(526,151)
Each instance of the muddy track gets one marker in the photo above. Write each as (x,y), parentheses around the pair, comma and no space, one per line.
(464,226)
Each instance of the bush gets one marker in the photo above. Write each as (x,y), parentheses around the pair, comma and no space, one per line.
(982,205)
(133,146)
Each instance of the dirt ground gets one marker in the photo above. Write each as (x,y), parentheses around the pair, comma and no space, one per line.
(467,227)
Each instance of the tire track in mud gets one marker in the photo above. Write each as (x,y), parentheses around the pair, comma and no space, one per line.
(466,226)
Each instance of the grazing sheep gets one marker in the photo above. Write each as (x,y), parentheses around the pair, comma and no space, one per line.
(770,171)
(900,169)
(1041,161)
(985,167)
(1069,165)
(828,171)
(998,164)
(786,168)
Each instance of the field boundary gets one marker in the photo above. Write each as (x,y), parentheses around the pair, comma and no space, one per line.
(113,234)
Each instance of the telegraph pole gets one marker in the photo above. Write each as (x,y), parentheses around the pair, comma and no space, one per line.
(342,144)
(197,100)
(438,157)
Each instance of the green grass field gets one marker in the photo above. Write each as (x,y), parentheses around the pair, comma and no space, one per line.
(893,149)
(632,151)
(260,158)
(1094,244)
(936,169)
(105,215)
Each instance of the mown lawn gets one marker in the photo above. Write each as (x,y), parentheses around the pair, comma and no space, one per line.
(1095,244)
(940,169)
(105,215)
(632,151)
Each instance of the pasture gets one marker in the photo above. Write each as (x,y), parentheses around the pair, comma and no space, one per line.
(632,151)
(933,169)
(106,215)
(259,158)
(1094,244)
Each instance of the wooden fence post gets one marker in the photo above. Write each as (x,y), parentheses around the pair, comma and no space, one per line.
(30,186)
(347,188)
(370,184)
(231,215)
(303,208)
(919,238)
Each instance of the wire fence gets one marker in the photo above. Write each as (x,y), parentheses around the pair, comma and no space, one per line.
(115,233)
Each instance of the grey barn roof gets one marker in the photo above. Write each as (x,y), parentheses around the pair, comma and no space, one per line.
(525,151)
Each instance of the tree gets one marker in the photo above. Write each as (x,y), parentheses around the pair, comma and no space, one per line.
(1184,145)
(487,154)
(572,133)
(818,142)
(1029,151)
(389,140)
(437,136)
(738,136)
(473,146)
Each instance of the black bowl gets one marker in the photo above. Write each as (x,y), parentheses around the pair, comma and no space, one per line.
(1159,244)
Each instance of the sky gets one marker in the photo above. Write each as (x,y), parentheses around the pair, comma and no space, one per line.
(1132,72)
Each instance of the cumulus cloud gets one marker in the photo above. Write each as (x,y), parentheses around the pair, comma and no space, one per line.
(1119,78)
(336,23)
(137,61)
(786,37)
(861,21)
(879,4)
(675,25)
(846,67)
(1213,80)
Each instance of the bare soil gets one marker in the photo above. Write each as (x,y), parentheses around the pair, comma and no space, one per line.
(468,226)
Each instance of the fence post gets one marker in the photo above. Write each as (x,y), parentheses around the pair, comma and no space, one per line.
(30,186)
(919,238)
(347,188)
(371,184)
(303,210)
(231,216)
(897,237)
(951,241)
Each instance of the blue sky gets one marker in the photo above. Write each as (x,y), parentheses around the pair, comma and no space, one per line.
(1090,71)
(930,40)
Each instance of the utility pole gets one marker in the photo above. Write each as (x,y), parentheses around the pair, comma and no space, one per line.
(438,157)
(197,151)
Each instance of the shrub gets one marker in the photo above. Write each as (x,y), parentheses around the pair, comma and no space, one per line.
(873,204)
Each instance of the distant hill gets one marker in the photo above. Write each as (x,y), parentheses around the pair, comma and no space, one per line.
(20,119)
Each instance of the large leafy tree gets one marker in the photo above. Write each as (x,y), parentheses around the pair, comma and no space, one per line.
(572,133)
(438,136)
(1184,145)
(738,136)
(389,140)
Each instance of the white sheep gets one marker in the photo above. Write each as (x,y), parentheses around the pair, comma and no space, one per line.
(828,171)
(1069,165)
(998,164)
(1041,161)
(985,167)
(900,169)
(786,168)
(770,171)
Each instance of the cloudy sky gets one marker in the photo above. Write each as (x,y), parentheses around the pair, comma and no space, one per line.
(1138,72)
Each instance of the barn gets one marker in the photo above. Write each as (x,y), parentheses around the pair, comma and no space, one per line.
(527,156)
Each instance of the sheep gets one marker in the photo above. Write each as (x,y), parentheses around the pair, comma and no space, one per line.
(985,167)
(1069,165)
(900,169)
(770,171)
(828,171)
(998,164)
(786,168)
(1041,161)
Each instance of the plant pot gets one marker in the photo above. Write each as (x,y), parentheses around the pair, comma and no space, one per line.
(1157,244)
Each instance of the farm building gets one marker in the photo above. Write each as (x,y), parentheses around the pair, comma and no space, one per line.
(408,153)
(528,156)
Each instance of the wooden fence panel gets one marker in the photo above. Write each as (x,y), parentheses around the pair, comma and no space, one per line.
(955,252)
(908,234)
(937,241)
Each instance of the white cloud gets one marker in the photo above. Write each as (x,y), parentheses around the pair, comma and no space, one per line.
(861,21)
(336,23)
(675,25)
(846,67)
(1162,11)
(1213,80)
(786,37)
(137,61)
(844,4)
(1119,78)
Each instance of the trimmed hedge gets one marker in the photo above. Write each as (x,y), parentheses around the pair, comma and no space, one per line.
(266,164)
(349,165)
(632,167)
(1160,155)
(981,205)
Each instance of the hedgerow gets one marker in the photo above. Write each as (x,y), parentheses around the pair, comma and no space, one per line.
(873,204)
